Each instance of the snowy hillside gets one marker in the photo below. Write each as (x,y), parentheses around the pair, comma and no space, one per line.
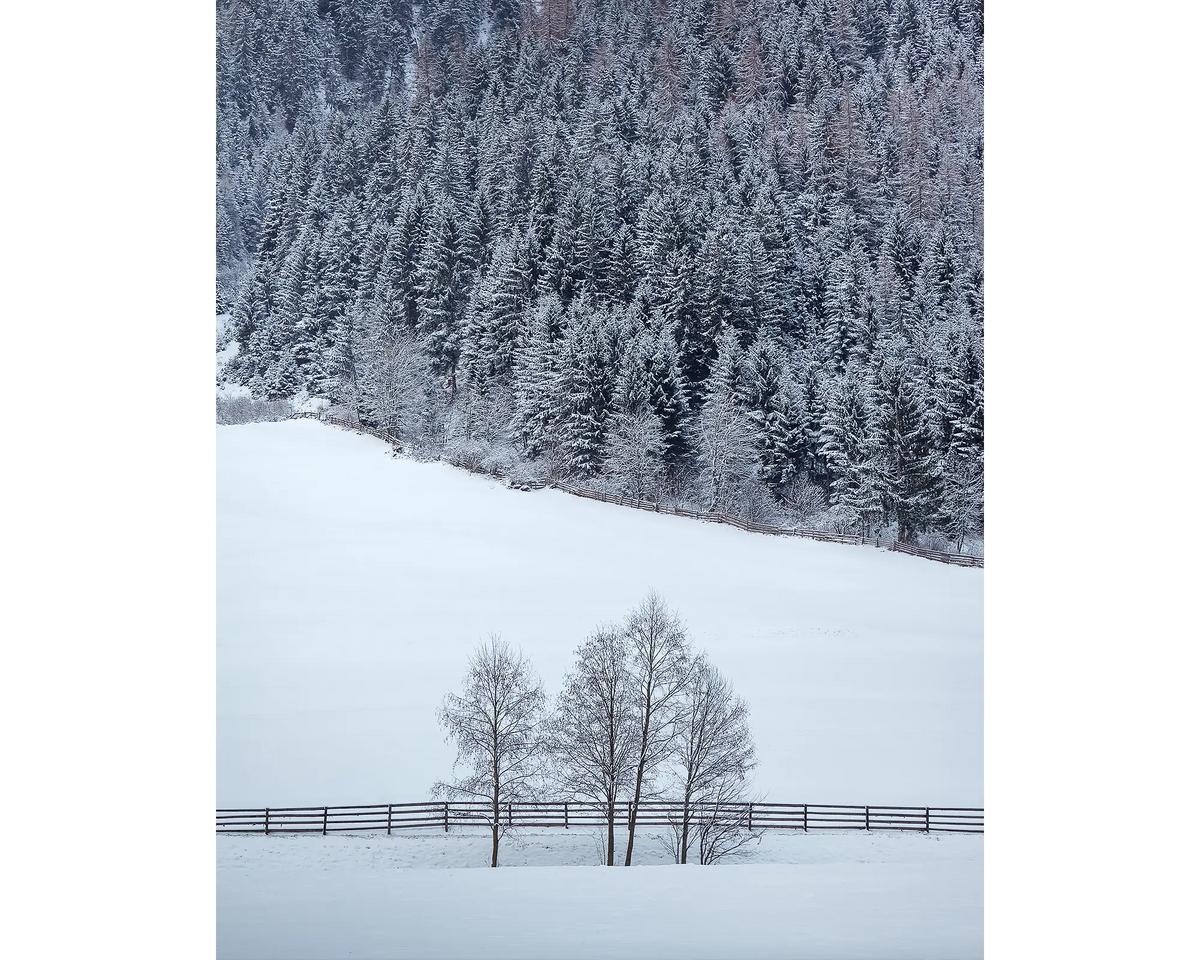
(352,586)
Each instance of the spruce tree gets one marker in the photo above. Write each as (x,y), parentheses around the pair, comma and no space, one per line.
(906,446)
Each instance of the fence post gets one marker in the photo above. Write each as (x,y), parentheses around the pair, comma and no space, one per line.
(510,814)
(566,817)
(750,818)
(806,818)
(868,820)
(446,815)
(325,822)
(267,820)
(926,819)
(389,820)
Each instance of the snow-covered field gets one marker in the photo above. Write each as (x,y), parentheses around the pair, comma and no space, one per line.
(352,586)
(815,896)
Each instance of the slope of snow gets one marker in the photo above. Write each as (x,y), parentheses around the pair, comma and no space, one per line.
(829,897)
(351,587)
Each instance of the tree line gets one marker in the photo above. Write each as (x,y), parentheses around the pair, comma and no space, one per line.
(640,716)
(726,252)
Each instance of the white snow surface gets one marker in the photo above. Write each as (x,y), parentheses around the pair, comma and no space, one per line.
(349,588)
(352,586)
(802,896)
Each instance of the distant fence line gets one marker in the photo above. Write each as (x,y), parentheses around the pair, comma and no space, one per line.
(443,815)
(809,533)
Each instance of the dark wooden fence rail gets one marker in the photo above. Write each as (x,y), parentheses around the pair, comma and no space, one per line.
(439,815)
(957,559)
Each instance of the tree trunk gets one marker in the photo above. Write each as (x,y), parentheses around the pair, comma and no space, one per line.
(612,815)
(633,812)
(687,813)
(641,770)
(495,806)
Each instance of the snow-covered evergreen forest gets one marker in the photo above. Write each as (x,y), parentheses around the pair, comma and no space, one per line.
(722,252)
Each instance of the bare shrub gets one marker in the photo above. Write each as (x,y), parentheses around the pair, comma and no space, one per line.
(238,410)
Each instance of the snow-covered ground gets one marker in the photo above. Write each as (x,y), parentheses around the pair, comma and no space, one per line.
(816,896)
(352,586)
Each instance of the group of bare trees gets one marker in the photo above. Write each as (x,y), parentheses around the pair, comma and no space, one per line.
(640,716)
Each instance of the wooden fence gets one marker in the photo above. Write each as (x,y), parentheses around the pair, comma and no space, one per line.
(809,533)
(437,815)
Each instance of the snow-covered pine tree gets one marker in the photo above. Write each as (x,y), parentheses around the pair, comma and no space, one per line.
(851,447)
(441,280)
(906,447)
(586,391)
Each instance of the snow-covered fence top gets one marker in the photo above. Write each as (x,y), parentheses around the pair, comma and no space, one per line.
(958,559)
(575,814)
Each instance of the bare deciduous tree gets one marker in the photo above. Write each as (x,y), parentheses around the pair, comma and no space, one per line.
(496,725)
(722,825)
(723,443)
(635,459)
(659,662)
(394,382)
(592,730)
(714,753)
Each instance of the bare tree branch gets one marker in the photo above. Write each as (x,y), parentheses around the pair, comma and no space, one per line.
(722,824)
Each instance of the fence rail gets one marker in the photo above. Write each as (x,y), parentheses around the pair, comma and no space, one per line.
(809,533)
(440,815)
